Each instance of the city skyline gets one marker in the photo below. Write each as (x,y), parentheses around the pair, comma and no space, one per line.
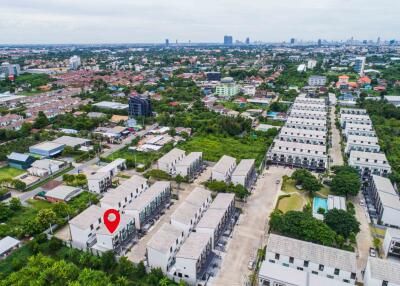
(92,22)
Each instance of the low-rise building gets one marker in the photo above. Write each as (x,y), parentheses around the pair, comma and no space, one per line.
(46,167)
(7,245)
(317,80)
(360,111)
(100,181)
(308,100)
(359,130)
(369,163)
(385,200)
(245,173)
(62,193)
(47,149)
(299,123)
(380,272)
(190,165)
(362,119)
(20,161)
(309,257)
(391,243)
(302,135)
(362,143)
(224,168)
(192,258)
(311,107)
(167,163)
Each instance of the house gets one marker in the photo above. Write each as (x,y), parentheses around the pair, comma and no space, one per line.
(192,257)
(313,124)
(62,193)
(368,163)
(100,181)
(47,149)
(7,245)
(362,143)
(359,130)
(245,173)
(319,260)
(190,165)
(224,168)
(363,119)
(306,136)
(380,272)
(308,114)
(391,243)
(20,161)
(46,167)
(168,162)
(359,111)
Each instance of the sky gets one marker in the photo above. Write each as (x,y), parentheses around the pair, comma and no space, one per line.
(152,21)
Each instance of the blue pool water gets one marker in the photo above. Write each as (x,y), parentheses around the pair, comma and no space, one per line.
(320,203)
(272,114)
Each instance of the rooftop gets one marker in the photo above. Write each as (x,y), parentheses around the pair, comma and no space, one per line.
(222,201)
(164,238)
(8,243)
(63,192)
(47,146)
(244,167)
(172,155)
(384,270)
(87,217)
(184,213)
(145,198)
(194,245)
(70,141)
(190,159)
(211,218)
(224,164)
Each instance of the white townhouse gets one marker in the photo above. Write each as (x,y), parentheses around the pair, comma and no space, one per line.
(308,114)
(381,272)
(163,247)
(369,163)
(168,162)
(100,181)
(224,168)
(318,260)
(299,123)
(359,130)
(124,194)
(362,119)
(191,259)
(189,213)
(353,111)
(149,203)
(309,100)
(302,136)
(114,167)
(391,243)
(298,155)
(190,165)
(245,173)
(362,143)
(385,199)
(311,107)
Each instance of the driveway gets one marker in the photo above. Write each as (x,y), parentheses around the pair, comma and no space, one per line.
(249,235)
(335,151)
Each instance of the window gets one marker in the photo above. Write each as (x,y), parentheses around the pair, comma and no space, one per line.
(277,256)
(291,259)
(329,276)
(353,276)
(305,264)
(91,227)
(321,267)
(314,272)
(337,271)
(300,268)
(384,283)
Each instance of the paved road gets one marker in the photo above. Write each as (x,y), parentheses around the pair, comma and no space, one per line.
(335,152)
(249,235)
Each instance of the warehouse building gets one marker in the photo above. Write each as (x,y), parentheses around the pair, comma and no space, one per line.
(47,149)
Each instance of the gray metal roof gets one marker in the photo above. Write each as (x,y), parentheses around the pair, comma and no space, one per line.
(7,243)
(384,270)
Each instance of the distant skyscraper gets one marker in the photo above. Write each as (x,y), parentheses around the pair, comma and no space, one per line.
(167,42)
(7,69)
(292,41)
(74,62)
(378,41)
(139,106)
(228,40)
(247,41)
(359,65)
(319,42)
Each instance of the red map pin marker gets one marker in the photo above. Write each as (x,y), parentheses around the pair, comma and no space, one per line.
(111,219)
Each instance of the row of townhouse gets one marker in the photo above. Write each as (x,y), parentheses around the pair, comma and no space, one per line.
(227,171)
(302,141)
(137,203)
(183,248)
(100,181)
(175,162)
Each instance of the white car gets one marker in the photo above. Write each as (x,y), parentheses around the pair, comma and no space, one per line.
(251,264)
(372,252)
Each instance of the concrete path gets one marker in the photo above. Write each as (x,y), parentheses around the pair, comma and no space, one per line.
(335,151)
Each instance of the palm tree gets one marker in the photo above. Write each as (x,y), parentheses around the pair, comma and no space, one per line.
(164,281)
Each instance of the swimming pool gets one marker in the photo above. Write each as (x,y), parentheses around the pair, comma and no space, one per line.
(320,203)
(272,114)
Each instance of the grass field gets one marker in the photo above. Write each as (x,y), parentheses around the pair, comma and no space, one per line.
(293,203)
(288,186)
(214,147)
(135,156)
(9,172)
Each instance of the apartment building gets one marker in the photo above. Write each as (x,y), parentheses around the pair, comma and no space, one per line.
(245,173)
(308,114)
(302,136)
(300,155)
(385,199)
(192,258)
(317,80)
(100,181)
(222,171)
(359,111)
(391,243)
(190,165)
(150,203)
(167,163)
(318,260)
(362,143)
(298,123)
(163,247)
(380,272)
(359,130)
(362,119)
(369,163)
(189,213)
(124,194)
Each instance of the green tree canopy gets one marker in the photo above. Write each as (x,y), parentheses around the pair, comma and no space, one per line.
(342,222)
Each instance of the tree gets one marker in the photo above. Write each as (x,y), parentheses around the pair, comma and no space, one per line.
(309,182)
(15,204)
(342,222)
(41,121)
(179,180)
(45,217)
(5,212)
(346,184)
(61,209)
(377,243)
(19,185)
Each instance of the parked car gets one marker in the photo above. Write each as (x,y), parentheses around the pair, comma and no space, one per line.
(251,264)
(372,252)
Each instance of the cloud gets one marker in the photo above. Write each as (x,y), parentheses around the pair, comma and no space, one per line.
(128,21)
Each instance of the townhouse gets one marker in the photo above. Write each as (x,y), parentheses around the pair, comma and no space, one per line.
(311,101)
(362,119)
(310,107)
(359,130)
(359,111)
(385,200)
(190,165)
(302,136)
(168,162)
(308,114)
(287,258)
(245,173)
(362,143)
(368,163)
(222,171)
(313,124)
(391,243)
(100,181)
(380,272)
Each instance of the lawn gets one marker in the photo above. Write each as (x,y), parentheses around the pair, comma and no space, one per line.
(9,172)
(288,186)
(293,203)
(139,157)
(324,192)
(214,147)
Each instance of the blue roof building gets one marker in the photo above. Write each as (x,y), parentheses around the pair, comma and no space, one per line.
(20,161)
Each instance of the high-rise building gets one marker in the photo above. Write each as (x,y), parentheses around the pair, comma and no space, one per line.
(247,41)
(74,62)
(359,65)
(167,42)
(228,40)
(319,42)
(292,41)
(7,69)
(140,106)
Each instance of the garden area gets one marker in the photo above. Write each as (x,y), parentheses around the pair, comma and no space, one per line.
(9,172)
